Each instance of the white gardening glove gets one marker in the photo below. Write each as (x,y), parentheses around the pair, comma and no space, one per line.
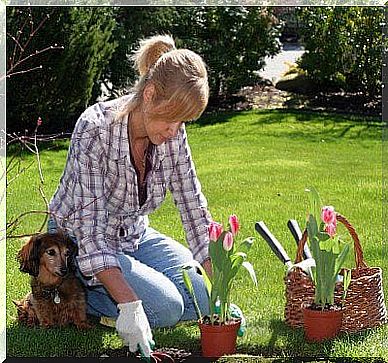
(133,327)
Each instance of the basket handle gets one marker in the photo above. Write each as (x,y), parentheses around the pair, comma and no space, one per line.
(358,254)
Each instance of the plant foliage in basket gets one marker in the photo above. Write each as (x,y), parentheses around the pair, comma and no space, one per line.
(328,250)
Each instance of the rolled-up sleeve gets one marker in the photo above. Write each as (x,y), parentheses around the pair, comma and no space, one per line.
(188,197)
(89,200)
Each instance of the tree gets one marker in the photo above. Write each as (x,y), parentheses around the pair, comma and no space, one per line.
(233,41)
(98,41)
(62,82)
(132,24)
(344,47)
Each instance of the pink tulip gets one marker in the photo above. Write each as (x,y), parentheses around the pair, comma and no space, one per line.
(228,241)
(39,122)
(328,215)
(215,230)
(234,225)
(331,229)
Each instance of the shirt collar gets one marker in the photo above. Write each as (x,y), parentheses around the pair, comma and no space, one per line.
(115,133)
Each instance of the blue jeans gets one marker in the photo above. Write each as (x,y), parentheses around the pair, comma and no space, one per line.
(153,272)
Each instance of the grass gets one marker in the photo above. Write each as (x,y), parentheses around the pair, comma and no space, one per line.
(255,164)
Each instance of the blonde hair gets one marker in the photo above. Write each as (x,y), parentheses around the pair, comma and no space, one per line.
(178,75)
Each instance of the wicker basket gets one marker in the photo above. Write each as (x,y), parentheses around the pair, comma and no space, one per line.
(364,304)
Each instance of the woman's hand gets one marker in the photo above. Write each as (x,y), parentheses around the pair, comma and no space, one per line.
(207,266)
(132,323)
(134,328)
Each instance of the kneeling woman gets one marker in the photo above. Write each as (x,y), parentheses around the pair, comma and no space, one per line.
(123,156)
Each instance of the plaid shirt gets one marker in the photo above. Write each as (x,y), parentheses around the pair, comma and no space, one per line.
(97,199)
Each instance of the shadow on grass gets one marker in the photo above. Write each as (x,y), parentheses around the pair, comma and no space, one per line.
(25,341)
(284,342)
(291,343)
(279,116)
(213,118)
(17,149)
(320,116)
(334,126)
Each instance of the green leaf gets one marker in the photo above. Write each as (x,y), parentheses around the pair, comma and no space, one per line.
(341,259)
(315,203)
(323,236)
(189,285)
(237,255)
(187,281)
(326,245)
(347,279)
(217,252)
(206,279)
(251,271)
(237,259)
(336,245)
(312,227)
(346,283)
(246,245)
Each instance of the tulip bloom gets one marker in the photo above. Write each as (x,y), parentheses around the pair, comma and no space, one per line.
(328,215)
(228,241)
(234,225)
(215,230)
(331,229)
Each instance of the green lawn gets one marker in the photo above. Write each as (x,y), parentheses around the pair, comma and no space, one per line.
(254,164)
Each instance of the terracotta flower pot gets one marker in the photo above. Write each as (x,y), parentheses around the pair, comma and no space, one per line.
(219,340)
(321,325)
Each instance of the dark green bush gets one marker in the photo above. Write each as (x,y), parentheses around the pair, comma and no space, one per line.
(97,43)
(61,89)
(343,47)
(232,40)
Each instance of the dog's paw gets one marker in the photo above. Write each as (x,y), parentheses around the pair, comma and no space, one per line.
(46,324)
(83,325)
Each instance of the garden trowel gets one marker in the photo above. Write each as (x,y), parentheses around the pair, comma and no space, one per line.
(293,226)
(273,243)
(280,252)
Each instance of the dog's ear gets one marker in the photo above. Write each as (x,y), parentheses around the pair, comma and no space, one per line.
(17,303)
(28,256)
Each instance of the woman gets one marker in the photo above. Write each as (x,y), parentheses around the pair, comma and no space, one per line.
(123,156)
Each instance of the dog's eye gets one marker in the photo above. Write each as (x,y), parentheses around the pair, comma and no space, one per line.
(51,252)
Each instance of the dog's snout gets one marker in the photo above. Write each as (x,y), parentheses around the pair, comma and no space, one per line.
(63,271)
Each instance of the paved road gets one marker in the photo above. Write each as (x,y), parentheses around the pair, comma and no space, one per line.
(276,66)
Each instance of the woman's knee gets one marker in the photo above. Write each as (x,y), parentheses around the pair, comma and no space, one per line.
(168,312)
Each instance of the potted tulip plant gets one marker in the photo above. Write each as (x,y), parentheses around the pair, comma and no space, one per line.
(219,329)
(323,318)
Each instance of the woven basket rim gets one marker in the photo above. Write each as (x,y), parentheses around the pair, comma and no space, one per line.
(376,269)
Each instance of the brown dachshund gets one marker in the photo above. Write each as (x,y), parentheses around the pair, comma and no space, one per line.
(57,297)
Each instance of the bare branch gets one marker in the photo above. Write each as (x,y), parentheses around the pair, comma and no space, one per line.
(16,41)
(17,56)
(22,72)
(37,52)
(22,215)
(20,32)
(47,208)
(33,32)
(18,174)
